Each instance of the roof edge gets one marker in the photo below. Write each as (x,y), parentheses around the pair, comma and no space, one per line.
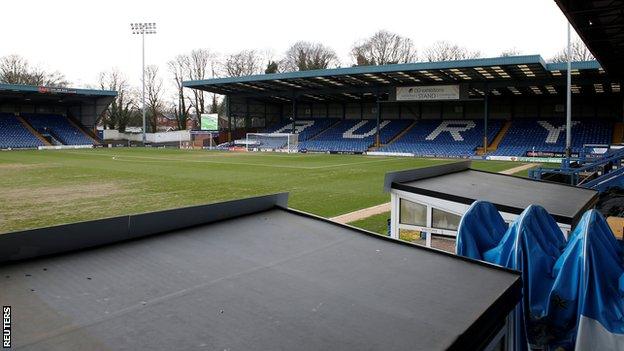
(416,66)
(424,172)
(491,61)
(28,244)
(56,90)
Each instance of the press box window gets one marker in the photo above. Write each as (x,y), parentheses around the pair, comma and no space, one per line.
(412,213)
(444,220)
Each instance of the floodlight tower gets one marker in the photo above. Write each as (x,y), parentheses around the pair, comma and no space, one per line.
(143,29)
(568,148)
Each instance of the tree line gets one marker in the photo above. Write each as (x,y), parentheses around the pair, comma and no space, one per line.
(381,48)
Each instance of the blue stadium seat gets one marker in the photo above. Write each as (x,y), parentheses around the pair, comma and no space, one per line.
(306,128)
(444,138)
(354,135)
(59,127)
(548,135)
(13,134)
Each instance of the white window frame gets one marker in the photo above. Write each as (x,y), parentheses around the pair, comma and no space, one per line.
(440,204)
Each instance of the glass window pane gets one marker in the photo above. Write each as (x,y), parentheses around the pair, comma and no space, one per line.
(413,236)
(444,220)
(413,213)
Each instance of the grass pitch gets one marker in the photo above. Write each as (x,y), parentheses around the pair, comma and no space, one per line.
(43,188)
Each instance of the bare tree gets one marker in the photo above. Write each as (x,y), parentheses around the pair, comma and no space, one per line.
(271,67)
(202,66)
(510,52)
(243,63)
(153,96)
(305,56)
(180,68)
(578,52)
(118,113)
(213,105)
(446,51)
(270,62)
(382,48)
(15,69)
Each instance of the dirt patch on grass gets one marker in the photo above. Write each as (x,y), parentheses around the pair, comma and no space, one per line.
(24,166)
(28,207)
(60,194)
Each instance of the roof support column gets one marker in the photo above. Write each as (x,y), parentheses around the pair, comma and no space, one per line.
(228,111)
(344,111)
(377,136)
(294,113)
(281,113)
(247,118)
(568,149)
(622,103)
(361,109)
(486,115)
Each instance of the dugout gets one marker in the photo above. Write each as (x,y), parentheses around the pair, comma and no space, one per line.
(82,105)
(509,88)
(434,199)
(248,274)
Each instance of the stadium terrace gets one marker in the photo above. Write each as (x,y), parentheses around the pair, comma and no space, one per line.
(468,259)
(505,106)
(43,117)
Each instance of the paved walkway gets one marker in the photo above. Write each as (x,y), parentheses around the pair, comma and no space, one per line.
(519,168)
(361,214)
(371,211)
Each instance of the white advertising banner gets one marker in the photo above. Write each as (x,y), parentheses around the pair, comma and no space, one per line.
(429,92)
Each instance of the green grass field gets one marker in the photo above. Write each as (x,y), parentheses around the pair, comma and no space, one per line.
(42,188)
(376,224)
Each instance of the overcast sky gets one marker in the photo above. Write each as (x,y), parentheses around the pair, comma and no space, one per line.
(83,38)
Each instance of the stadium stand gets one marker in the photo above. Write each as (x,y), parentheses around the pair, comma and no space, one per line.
(549,136)
(59,127)
(448,138)
(354,135)
(306,128)
(13,134)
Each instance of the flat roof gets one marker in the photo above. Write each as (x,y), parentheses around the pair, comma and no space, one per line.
(511,194)
(528,75)
(54,90)
(270,279)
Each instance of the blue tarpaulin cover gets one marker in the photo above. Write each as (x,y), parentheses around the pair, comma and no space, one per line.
(573,292)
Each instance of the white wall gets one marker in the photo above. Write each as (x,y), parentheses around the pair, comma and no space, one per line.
(178,135)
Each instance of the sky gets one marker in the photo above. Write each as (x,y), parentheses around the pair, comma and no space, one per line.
(83,38)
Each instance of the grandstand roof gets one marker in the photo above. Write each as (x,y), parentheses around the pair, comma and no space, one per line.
(245,274)
(514,75)
(22,93)
(20,88)
(457,182)
(600,23)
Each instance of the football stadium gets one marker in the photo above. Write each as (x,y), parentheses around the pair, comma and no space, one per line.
(466,203)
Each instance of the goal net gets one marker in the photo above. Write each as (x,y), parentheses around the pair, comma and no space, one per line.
(199,140)
(281,142)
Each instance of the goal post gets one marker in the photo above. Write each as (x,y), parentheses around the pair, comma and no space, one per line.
(199,140)
(279,142)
